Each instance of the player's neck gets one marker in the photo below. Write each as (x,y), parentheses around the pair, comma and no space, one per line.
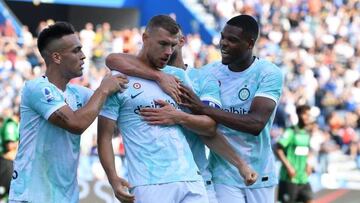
(240,66)
(56,78)
(142,56)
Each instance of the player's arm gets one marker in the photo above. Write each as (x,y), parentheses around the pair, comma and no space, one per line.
(106,128)
(279,151)
(221,146)
(78,121)
(131,65)
(168,115)
(200,124)
(253,122)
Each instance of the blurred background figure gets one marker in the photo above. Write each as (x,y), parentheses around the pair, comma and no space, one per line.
(9,138)
(293,150)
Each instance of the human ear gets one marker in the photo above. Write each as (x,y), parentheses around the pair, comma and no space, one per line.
(56,57)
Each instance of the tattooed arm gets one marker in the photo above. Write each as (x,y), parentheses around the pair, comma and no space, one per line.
(78,121)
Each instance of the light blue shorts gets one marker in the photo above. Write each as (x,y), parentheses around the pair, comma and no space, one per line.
(226,194)
(184,192)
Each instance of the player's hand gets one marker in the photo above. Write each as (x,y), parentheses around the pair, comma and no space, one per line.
(249,175)
(121,190)
(165,115)
(113,83)
(170,85)
(291,171)
(190,100)
(10,155)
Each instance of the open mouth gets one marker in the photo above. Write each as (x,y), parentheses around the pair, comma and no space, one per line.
(224,53)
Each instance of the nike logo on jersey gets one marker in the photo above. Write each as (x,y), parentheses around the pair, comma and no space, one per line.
(133,96)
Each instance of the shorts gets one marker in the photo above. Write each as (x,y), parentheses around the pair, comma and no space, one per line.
(226,194)
(291,192)
(6,170)
(210,190)
(184,192)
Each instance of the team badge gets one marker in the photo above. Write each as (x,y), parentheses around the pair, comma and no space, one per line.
(137,85)
(244,94)
(48,95)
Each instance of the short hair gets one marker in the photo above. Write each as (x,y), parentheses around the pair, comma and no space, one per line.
(247,23)
(53,32)
(165,22)
(302,109)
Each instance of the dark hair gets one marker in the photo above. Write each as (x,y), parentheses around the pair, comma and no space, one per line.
(53,32)
(302,109)
(248,24)
(165,22)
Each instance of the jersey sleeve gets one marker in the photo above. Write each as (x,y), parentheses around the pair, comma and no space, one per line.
(271,85)
(286,138)
(43,98)
(111,108)
(210,92)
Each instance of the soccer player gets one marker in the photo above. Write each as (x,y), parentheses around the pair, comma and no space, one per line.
(161,167)
(293,151)
(250,90)
(53,116)
(207,88)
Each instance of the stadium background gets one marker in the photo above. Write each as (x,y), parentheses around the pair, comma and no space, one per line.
(315,42)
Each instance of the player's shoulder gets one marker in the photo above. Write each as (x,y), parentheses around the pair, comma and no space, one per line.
(36,83)
(266,65)
(212,65)
(80,91)
(191,71)
(79,88)
(173,70)
(201,74)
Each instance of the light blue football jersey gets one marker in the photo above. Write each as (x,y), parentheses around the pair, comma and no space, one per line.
(207,88)
(45,166)
(155,154)
(238,89)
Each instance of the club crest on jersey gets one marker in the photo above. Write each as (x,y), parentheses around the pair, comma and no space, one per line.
(244,94)
(48,95)
(137,85)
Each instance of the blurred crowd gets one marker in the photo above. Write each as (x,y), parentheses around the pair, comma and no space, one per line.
(315,42)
